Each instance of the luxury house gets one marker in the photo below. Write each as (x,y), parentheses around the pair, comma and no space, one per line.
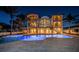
(44,24)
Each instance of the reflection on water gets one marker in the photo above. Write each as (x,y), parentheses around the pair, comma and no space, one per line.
(34,37)
(43,37)
(11,38)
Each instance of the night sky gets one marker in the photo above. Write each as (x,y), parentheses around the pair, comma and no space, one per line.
(42,11)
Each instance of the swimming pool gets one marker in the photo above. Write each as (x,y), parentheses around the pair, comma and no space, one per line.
(12,38)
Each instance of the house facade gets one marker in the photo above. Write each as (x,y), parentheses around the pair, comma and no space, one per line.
(44,24)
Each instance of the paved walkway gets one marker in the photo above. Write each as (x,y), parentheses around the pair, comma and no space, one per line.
(49,45)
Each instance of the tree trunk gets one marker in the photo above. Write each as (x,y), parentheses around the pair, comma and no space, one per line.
(69,28)
(11,25)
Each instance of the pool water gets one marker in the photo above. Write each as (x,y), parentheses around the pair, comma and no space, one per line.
(12,38)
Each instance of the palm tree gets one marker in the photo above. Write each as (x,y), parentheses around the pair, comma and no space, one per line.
(69,19)
(15,23)
(21,19)
(11,11)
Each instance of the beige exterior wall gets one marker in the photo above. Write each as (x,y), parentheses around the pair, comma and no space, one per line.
(45,25)
(57,24)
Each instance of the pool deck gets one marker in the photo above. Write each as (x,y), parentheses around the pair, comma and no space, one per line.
(49,45)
